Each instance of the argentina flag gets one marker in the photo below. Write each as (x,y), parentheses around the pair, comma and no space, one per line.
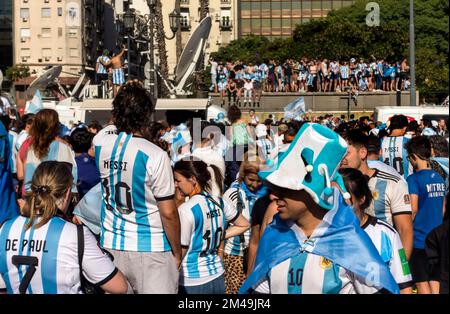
(295,109)
(35,104)
(338,238)
(443,162)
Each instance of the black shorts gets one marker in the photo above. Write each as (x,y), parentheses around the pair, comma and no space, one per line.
(420,268)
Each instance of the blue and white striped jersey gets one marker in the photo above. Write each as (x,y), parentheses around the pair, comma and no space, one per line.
(308,273)
(388,243)
(265,148)
(390,196)
(203,223)
(394,154)
(232,197)
(344,71)
(135,175)
(101,68)
(58,151)
(12,136)
(49,255)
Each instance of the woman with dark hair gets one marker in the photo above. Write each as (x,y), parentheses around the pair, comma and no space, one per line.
(204,221)
(50,249)
(383,236)
(47,145)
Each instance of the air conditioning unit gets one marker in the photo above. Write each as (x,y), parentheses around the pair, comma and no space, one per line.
(46,1)
(24,19)
(40,60)
(47,58)
(25,1)
(23,39)
(60,58)
(24,59)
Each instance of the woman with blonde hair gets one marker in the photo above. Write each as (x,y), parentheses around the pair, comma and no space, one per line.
(42,252)
(242,195)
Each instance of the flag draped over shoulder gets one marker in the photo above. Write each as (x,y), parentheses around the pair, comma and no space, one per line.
(35,104)
(338,238)
(8,205)
(295,109)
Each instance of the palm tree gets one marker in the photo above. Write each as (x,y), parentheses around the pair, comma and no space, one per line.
(162,50)
(204,11)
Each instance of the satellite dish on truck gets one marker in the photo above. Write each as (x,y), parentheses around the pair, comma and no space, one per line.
(189,58)
(43,80)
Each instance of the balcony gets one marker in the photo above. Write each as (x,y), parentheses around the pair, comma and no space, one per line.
(227,2)
(225,23)
(184,2)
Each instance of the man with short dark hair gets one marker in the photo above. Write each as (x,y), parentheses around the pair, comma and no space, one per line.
(391,202)
(140,224)
(427,189)
(393,150)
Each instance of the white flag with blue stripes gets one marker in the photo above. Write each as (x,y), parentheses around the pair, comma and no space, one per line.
(295,109)
(35,104)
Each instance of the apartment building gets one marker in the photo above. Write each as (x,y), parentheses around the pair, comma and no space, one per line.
(58,32)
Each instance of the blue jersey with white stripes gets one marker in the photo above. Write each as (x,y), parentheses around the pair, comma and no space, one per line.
(203,223)
(45,259)
(135,175)
(394,154)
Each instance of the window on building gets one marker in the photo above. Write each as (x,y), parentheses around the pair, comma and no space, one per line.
(25,53)
(60,11)
(46,32)
(60,31)
(245,9)
(73,53)
(256,9)
(46,52)
(265,9)
(25,32)
(276,9)
(73,32)
(45,12)
(184,20)
(24,13)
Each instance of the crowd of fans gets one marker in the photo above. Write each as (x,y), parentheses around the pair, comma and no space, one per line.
(243,83)
(220,209)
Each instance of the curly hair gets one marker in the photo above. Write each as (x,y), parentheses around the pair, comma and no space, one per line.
(132,108)
(234,114)
(44,130)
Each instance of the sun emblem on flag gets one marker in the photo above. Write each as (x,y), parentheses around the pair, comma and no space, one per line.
(325,263)
(375,195)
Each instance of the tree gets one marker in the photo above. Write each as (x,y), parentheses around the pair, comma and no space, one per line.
(17,72)
(162,50)
(344,34)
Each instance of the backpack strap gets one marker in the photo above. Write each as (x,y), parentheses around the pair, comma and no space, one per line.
(80,237)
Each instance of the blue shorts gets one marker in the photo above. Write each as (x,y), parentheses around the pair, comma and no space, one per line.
(118,77)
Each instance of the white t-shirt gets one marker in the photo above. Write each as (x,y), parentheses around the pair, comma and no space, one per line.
(211,157)
(54,250)
(4,104)
(135,175)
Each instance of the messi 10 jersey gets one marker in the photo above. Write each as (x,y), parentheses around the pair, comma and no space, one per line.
(394,154)
(135,176)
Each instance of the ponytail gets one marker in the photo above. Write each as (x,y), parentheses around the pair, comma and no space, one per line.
(218,177)
(49,186)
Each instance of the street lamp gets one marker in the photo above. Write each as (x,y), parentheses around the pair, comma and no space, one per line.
(142,27)
(174,21)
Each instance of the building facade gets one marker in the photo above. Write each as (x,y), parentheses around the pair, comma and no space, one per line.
(223,30)
(6,27)
(278,18)
(58,32)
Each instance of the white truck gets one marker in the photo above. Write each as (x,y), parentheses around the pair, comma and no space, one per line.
(384,113)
